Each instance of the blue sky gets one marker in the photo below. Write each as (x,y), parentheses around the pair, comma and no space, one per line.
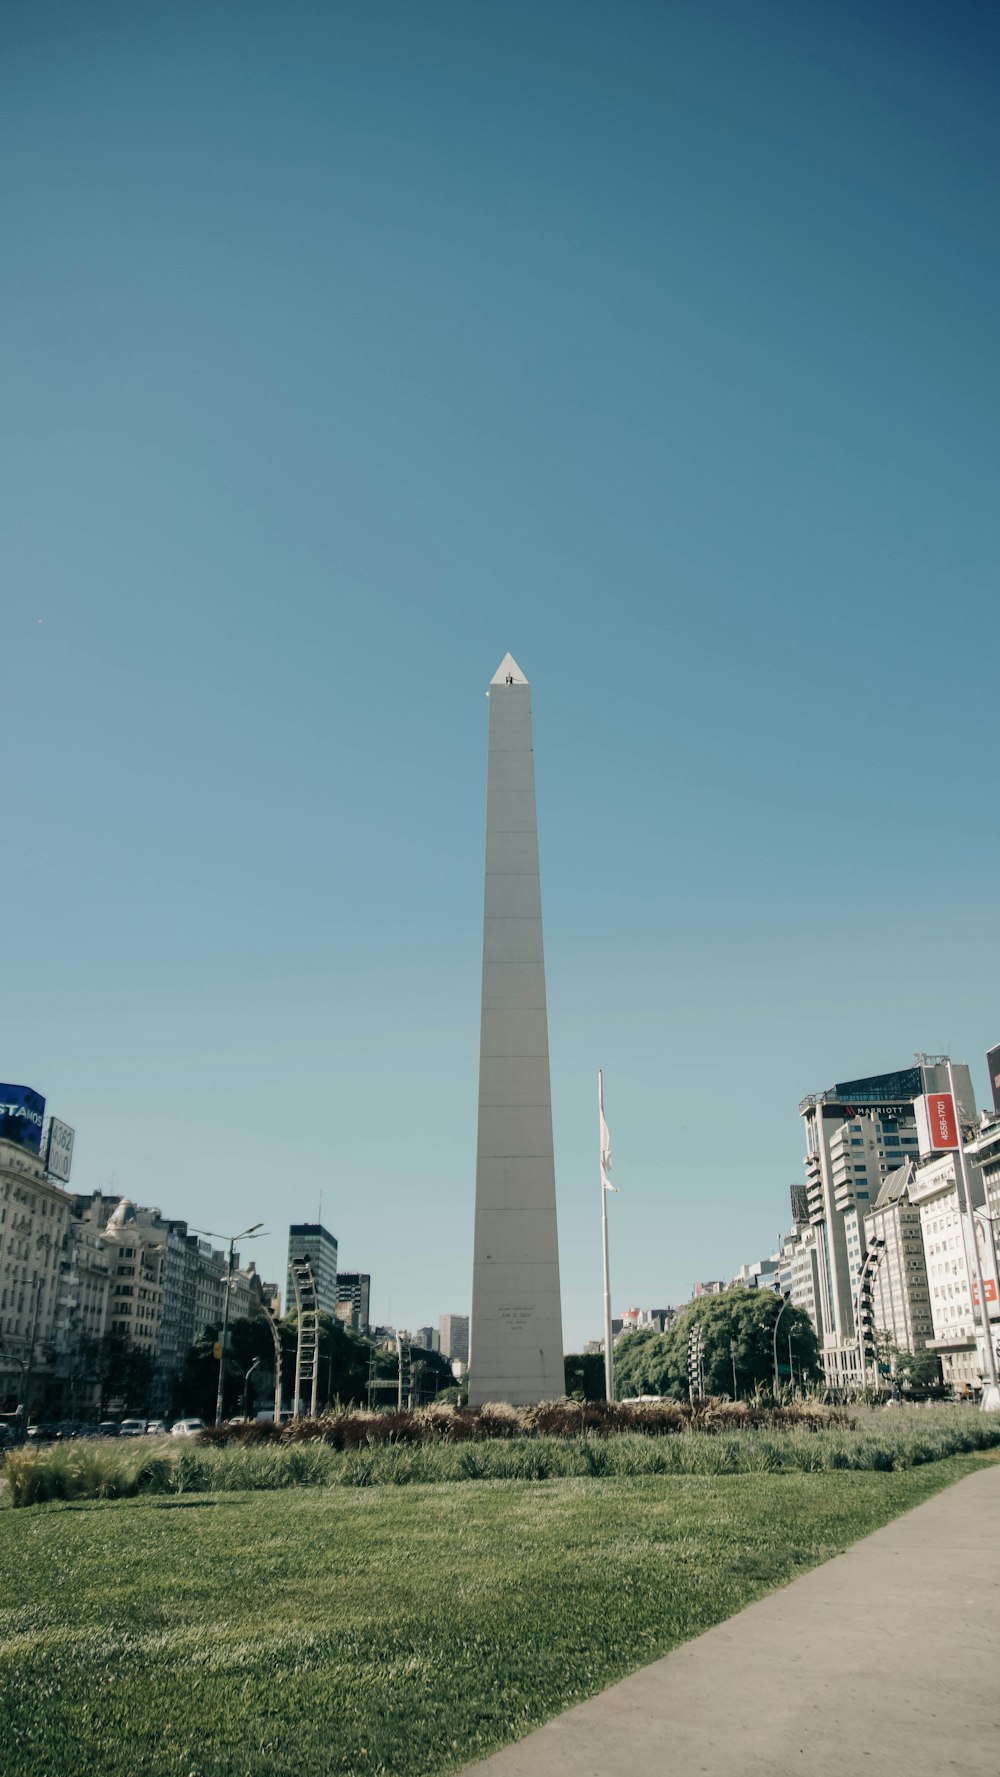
(343,349)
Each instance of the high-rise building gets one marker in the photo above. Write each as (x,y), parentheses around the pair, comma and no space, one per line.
(517,1350)
(857,1133)
(454,1336)
(353,1299)
(900,1296)
(310,1240)
(428,1338)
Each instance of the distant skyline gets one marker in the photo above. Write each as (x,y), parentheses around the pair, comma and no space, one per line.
(343,351)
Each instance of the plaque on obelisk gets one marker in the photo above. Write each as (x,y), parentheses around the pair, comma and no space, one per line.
(516,1351)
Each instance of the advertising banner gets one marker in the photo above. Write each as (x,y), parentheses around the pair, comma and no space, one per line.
(993,1063)
(59,1150)
(22,1113)
(937,1125)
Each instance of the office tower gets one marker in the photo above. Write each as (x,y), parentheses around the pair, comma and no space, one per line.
(454,1336)
(310,1240)
(353,1297)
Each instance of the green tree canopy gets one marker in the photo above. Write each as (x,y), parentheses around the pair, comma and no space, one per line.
(737,1327)
(585,1375)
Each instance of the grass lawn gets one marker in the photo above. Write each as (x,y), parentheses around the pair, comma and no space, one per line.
(381,1630)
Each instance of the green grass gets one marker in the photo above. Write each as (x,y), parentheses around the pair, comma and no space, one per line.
(121,1470)
(380,1630)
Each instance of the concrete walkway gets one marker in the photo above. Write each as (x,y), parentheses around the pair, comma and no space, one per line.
(886,1659)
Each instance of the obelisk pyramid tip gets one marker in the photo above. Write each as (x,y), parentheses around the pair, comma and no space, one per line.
(508,673)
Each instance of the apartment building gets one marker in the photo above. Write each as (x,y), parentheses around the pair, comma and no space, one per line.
(857,1133)
(900,1291)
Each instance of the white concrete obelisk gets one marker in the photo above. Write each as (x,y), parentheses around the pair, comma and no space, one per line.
(516,1351)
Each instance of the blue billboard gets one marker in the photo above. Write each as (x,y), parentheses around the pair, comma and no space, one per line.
(22,1113)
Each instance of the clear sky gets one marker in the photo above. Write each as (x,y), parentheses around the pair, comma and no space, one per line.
(346,347)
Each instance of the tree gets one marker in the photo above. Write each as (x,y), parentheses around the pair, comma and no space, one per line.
(919,1369)
(124,1373)
(430,1373)
(196,1388)
(737,1328)
(585,1376)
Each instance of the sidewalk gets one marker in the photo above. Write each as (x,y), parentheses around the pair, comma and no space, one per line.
(885,1659)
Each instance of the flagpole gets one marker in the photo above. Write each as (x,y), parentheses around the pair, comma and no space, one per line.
(609,1355)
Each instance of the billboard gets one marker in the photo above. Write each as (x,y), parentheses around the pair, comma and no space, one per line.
(937,1124)
(993,1063)
(22,1113)
(59,1150)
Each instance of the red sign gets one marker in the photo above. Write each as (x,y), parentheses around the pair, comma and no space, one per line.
(942,1120)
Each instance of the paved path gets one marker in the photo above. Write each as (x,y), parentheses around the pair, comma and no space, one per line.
(885,1659)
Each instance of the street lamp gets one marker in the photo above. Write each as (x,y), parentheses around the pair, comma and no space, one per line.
(246,1385)
(247,1234)
(785,1304)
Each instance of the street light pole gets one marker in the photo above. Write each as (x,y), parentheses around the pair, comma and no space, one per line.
(246,1386)
(777,1323)
(247,1234)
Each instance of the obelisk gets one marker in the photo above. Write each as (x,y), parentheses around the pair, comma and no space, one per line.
(516,1351)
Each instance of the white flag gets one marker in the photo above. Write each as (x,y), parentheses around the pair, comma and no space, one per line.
(605,1139)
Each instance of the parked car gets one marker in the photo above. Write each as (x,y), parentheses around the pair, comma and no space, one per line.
(157,1427)
(187,1428)
(109,1428)
(133,1428)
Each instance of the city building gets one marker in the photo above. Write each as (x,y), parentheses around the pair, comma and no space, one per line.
(353,1299)
(713,1288)
(803,1272)
(935,1191)
(85,1299)
(635,1320)
(203,1287)
(517,1348)
(310,1240)
(428,1338)
(900,1292)
(136,1292)
(857,1133)
(759,1274)
(453,1332)
(35,1245)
